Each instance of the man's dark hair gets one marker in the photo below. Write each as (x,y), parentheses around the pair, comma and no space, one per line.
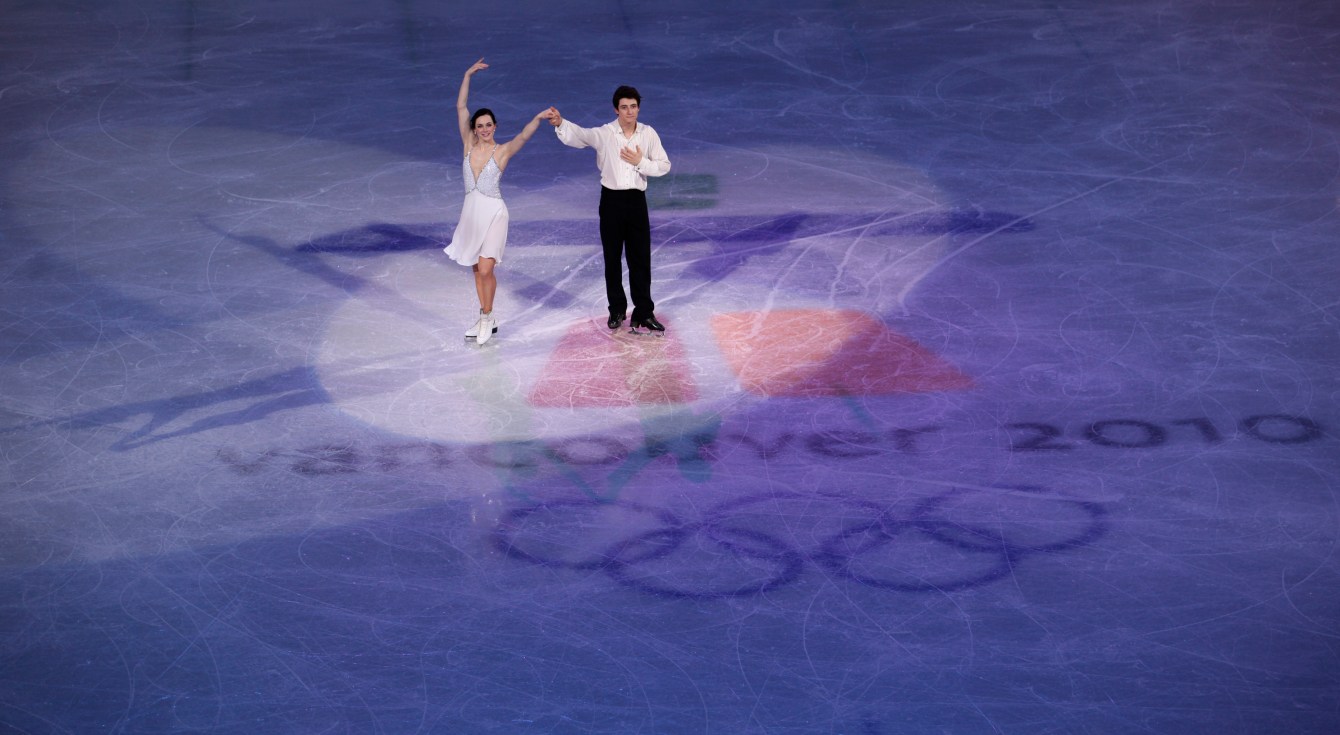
(625,92)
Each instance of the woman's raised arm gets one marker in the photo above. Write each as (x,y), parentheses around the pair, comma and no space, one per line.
(506,151)
(463,103)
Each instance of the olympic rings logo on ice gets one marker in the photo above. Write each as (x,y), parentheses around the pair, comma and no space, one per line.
(955,540)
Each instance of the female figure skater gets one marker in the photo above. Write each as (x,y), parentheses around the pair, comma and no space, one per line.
(481,234)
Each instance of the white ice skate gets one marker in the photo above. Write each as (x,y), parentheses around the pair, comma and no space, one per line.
(487,327)
(473,332)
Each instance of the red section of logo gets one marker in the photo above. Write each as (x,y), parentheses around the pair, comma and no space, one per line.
(594,368)
(827,352)
(789,353)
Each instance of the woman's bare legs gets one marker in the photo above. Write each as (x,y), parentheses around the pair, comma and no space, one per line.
(486,284)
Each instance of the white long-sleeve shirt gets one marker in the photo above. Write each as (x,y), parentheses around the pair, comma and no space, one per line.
(615,173)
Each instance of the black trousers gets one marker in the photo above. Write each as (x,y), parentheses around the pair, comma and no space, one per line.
(625,232)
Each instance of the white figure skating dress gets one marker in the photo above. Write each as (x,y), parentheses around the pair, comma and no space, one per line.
(482,230)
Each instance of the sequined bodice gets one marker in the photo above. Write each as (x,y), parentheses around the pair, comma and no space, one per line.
(489,179)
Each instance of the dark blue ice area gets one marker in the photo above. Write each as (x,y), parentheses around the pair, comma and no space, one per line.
(999,392)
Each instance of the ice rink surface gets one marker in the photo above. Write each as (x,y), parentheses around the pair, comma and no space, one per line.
(998,395)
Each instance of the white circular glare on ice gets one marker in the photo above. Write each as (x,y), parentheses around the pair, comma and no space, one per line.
(396,357)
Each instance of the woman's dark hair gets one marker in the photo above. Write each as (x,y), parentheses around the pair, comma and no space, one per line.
(480,113)
(625,92)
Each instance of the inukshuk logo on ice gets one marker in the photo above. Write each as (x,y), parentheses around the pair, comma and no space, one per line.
(771,268)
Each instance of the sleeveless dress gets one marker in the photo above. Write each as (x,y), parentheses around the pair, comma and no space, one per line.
(482,230)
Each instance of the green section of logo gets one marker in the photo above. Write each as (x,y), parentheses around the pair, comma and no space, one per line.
(682,191)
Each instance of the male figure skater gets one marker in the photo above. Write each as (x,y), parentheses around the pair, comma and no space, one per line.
(627,152)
